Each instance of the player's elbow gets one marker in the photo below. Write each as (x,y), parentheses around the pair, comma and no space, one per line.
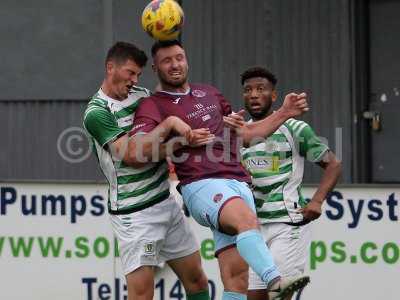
(336,166)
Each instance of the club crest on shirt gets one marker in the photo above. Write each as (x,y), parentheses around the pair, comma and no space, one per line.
(218,197)
(198,93)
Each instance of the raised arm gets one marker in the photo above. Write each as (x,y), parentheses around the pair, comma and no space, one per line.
(293,105)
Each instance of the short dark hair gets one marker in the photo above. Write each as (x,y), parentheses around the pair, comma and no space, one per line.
(164,44)
(120,52)
(259,72)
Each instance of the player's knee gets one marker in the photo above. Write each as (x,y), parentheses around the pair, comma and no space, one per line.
(236,281)
(197,282)
(140,284)
(142,292)
(248,222)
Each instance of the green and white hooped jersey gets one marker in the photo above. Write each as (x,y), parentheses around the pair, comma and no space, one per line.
(277,166)
(130,189)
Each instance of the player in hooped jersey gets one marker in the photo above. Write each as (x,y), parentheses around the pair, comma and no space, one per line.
(147,221)
(276,165)
(216,191)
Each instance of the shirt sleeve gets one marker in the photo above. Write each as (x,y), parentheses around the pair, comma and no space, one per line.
(102,126)
(147,117)
(310,145)
(225,105)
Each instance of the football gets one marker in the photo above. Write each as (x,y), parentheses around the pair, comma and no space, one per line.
(163,19)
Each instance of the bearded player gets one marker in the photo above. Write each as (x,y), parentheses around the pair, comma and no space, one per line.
(216,191)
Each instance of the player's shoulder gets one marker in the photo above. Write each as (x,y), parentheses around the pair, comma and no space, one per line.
(97,101)
(148,104)
(294,122)
(296,126)
(95,107)
(201,88)
(148,100)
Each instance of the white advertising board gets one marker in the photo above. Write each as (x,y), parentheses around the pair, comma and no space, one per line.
(56,243)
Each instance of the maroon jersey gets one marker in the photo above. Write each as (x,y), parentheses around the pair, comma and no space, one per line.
(202,107)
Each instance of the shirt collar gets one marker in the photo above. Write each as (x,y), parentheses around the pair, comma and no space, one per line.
(177,94)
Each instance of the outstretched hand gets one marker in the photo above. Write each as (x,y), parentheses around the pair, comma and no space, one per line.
(235,120)
(295,105)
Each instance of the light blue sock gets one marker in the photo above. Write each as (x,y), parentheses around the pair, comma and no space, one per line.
(251,246)
(233,296)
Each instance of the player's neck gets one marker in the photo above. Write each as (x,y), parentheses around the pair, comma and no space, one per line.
(262,117)
(106,88)
(173,89)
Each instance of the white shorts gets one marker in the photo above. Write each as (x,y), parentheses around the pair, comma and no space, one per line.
(152,236)
(289,246)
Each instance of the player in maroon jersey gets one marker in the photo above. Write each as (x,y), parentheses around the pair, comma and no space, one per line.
(213,182)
